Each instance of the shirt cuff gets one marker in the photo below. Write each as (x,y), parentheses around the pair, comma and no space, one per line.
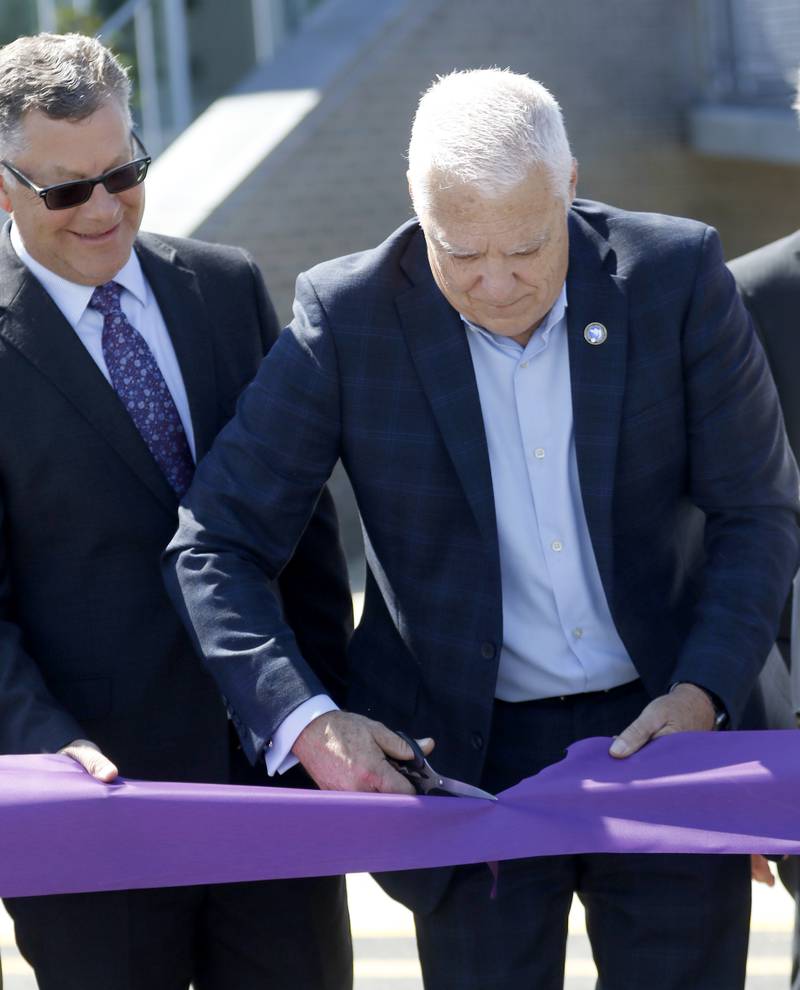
(278,754)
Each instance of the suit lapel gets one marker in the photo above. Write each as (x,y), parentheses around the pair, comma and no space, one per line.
(438,344)
(32,323)
(597,374)
(185,314)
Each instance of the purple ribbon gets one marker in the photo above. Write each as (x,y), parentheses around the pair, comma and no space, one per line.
(61,831)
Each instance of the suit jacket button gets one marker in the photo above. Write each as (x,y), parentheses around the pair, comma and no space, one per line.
(488,650)
(477,740)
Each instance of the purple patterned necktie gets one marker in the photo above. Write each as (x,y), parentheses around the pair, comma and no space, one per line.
(138,381)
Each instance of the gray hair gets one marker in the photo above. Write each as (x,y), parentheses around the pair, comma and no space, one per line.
(486,128)
(64,76)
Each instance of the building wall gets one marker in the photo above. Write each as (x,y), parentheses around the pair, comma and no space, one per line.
(625,72)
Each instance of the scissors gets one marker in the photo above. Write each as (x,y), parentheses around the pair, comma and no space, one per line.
(427,781)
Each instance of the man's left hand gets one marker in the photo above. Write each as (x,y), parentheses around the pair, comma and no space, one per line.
(687,708)
(761,871)
(92,760)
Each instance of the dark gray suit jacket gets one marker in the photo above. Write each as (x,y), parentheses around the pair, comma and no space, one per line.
(769,282)
(89,643)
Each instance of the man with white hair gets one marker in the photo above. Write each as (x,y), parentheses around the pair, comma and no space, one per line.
(579,518)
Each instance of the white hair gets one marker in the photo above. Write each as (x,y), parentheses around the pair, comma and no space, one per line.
(486,128)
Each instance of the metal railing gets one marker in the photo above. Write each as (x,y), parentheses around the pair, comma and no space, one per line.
(154,36)
(141,13)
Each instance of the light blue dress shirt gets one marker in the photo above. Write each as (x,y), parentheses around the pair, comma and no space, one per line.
(558,634)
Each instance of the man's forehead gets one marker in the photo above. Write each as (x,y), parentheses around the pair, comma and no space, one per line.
(463,206)
(72,148)
(514,231)
(108,114)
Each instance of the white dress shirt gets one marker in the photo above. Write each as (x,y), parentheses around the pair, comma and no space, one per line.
(139,306)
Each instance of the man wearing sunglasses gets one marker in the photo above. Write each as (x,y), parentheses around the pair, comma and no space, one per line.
(121,356)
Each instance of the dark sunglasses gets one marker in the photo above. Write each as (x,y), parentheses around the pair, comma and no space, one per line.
(65,195)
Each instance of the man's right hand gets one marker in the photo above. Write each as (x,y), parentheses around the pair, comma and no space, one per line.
(341,751)
(91,759)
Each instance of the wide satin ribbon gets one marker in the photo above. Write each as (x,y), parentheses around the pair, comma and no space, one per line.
(61,831)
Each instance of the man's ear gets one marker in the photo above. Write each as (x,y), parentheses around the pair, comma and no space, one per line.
(573,180)
(5,202)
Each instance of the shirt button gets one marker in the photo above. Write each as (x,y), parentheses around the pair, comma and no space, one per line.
(477,740)
(524,364)
(539,453)
(488,650)
(577,632)
(557,546)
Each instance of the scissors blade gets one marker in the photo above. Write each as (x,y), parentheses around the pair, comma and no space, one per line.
(456,788)
(427,781)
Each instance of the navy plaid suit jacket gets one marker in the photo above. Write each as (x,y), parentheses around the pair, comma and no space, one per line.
(689,490)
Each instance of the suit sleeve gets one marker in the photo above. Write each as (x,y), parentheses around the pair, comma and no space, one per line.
(317,603)
(314,585)
(31,720)
(742,475)
(758,326)
(242,521)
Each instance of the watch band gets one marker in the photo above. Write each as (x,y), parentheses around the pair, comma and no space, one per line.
(720,712)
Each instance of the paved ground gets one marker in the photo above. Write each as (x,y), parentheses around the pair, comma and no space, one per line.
(386,956)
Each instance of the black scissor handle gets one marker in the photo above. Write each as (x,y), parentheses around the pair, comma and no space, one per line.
(416,769)
(417,761)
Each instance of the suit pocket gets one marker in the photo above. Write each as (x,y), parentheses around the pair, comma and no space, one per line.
(85,697)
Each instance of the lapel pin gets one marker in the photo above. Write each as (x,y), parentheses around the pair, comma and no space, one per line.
(595,333)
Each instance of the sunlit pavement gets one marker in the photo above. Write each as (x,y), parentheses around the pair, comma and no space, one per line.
(386,956)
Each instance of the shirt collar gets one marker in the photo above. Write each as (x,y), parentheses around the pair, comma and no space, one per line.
(70,297)
(543,331)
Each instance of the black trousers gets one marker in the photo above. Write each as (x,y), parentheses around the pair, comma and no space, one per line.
(654,921)
(272,935)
